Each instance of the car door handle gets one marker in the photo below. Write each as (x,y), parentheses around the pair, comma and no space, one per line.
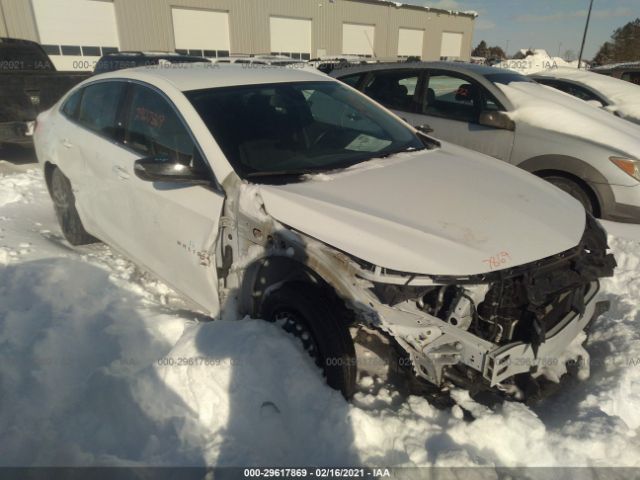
(66,143)
(120,172)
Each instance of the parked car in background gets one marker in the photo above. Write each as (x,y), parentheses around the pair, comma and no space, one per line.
(585,151)
(120,60)
(273,60)
(286,195)
(29,84)
(614,95)
(328,63)
(627,71)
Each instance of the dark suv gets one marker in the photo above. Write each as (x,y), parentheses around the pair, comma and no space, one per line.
(120,60)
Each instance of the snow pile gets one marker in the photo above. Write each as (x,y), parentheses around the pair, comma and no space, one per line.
(15,188)
(102,365)
(623,96)
(547,108)
(536,62)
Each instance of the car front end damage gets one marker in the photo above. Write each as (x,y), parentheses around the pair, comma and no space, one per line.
(485,330)
(482,331)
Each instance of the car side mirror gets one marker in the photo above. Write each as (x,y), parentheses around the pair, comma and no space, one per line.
(163,169)
(496,119)
(424,128)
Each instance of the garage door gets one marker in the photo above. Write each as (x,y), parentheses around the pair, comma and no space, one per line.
(451,45)
(201,32)
(75,33)
(291,37)
(410,42)
(358,39)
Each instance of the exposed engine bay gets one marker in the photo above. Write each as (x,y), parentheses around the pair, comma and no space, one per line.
(523,305)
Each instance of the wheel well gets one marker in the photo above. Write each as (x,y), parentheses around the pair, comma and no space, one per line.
(584,185)
(48,171)
(267,273)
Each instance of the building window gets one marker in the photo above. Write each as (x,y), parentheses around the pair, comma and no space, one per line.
(71,50)
(77,50)
(51,49)
(91,51)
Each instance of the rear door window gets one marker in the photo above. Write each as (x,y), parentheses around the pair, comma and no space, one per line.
(98,109)
(395,89)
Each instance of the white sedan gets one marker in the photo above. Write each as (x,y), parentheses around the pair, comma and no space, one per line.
(617,96)
(286,195)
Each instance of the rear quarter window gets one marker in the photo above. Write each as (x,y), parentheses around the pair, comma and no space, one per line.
(71,105)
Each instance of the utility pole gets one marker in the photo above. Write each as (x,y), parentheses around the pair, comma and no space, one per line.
(584,36)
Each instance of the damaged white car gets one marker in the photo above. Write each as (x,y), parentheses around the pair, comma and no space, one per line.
(286,195)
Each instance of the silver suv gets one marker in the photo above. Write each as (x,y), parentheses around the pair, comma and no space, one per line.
(579,148)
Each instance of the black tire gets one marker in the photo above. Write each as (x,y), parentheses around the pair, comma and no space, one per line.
(574,189)
(64,204)
(303,308)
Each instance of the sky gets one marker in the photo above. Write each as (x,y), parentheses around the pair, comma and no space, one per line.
(555,25)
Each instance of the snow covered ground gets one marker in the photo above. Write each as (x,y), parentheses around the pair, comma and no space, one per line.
(87,342)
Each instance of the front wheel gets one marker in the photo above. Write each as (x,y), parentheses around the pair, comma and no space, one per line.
(64,204)
(574,189)
(307,313)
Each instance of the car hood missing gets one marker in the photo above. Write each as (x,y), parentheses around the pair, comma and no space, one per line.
(441,212)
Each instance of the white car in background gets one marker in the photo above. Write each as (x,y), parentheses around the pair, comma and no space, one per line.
(288,196)
(266,60)
(583,150)
(612,94)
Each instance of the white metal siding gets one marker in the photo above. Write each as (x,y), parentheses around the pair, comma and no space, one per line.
(358,39)
(410,42)
(76,23)
(451,44)
(200,29)
(290,35)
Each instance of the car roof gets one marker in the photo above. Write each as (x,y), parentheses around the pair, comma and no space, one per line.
(560,73)
(197,76)
(617,66)
(461,67)
(17,41)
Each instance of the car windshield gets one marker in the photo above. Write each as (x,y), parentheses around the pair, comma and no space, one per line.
(507,78)
(296,128)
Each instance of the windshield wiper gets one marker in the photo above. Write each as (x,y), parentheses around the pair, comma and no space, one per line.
(403,150)
(281,173)
(333,168)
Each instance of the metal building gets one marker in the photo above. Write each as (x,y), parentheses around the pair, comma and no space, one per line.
(76,32)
